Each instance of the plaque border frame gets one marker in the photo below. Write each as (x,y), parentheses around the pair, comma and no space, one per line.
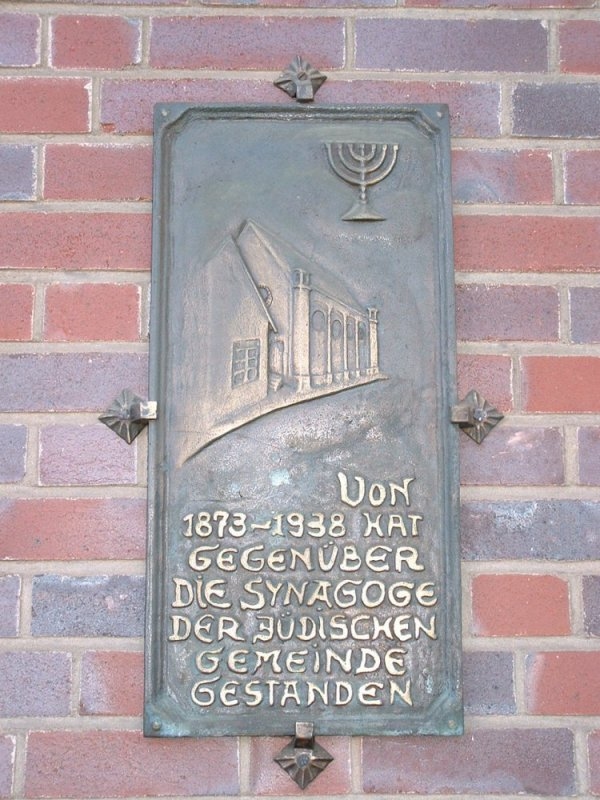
(162,717)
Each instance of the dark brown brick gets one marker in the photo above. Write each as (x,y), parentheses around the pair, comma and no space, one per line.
(513,457)
(594,756)
(589,456)
(35,684)
(520,605)
(68,381)
(112,683)
(92,606)
(85,455)
(268,779)
(44,105)
(501,4)
(17,164)
(10,592)
(13,453)
(245,42)
(483,762)
(563,683)
(526,243)
(463,45)
(58,529)
(566,110)
(16,312)
(95,42)
(579,46)
(127,105)
(591,604)
(547,530)
(491,376)
(582,177)
(507,313)
(98,172)
(34,240)
(7,762)
(124,764)
(585,320)
(561,384)
(19,40)
(502,176)
(488,683)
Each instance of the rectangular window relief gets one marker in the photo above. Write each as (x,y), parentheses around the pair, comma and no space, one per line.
(303,560)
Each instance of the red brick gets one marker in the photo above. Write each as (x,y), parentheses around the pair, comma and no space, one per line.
(563,683)
(565,110)
(33,240)
(491,376)
(10,593)
(112,683)
(502,176)
(267,777)
(245,42)
(507,313)
(589,456)
(85,455)
(527,243)
(7,763)
(585,320)
(561,384)
(582,177)
(463,45)
(57,529)
(19,40)
(483,762)
(13,453)
(95,42)
(579,46)
(92,312)
(35,684)
(68,381)
(513,457)
(123,764)
(16,312)
(520,605)
(98,172)
(44,105)
(127,106)
(17,172)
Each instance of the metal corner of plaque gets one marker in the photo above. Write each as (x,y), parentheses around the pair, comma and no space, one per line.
(475,416)
(300,80)
(128,415)
(303,759)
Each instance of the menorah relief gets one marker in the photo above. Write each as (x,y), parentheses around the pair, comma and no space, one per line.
(362,164)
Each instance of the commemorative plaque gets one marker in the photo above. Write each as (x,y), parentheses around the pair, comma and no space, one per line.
(303,557)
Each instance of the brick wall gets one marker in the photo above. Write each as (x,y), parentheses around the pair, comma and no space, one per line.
(77,87)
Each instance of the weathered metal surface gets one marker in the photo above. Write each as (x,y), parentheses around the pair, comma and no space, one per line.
(303,559)
(475,416)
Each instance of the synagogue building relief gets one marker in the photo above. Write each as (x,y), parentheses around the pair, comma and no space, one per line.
(282,330)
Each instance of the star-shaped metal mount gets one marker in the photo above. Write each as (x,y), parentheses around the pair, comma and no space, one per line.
(300,80)
(129,415)
(303,759)
(475,416)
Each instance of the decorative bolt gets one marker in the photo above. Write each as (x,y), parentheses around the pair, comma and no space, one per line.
(300,80)
(156,725)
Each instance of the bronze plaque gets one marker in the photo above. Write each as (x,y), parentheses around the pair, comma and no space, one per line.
(303,558)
